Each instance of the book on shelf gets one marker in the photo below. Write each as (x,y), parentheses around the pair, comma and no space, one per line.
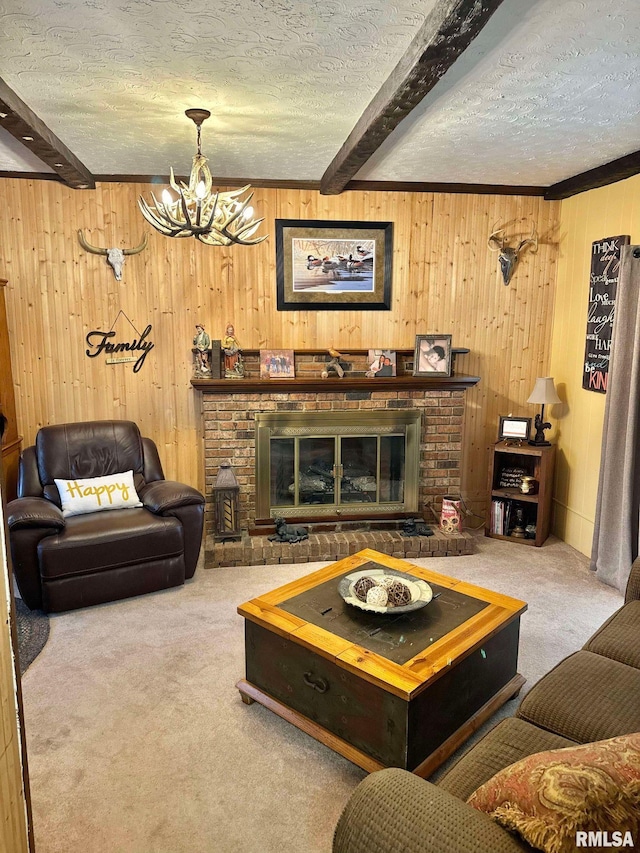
(500,517)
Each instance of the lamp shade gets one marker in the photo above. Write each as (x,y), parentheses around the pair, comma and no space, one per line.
(544,391)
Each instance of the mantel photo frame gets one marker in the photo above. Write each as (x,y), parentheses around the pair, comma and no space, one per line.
(327,266)
(432,356)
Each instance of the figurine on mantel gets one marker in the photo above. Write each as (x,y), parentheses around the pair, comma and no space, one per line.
(202,346)
(233,364)
(334,364)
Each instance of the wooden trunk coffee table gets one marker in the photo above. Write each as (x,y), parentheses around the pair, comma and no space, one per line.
(382,690)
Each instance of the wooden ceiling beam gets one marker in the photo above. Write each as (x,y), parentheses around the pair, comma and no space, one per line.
(448,30)
(601,176)
(22,123)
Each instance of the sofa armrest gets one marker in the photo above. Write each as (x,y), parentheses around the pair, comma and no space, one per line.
(23,513)
(397,812)
(632,592)
(164,495)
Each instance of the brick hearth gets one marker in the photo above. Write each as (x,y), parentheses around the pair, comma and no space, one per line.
(229,408)
(258,550)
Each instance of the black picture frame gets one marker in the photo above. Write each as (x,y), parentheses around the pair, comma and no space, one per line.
(426,344)
(325,265)
(514,429)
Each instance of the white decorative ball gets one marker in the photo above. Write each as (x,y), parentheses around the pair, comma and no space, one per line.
(377,596)
(385,581)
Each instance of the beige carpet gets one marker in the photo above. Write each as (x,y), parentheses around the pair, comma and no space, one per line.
(138,741)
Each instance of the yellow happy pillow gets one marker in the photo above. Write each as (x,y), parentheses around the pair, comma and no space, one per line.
(116,491)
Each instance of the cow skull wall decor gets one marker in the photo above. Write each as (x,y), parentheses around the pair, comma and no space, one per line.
(115,257)
(509,255)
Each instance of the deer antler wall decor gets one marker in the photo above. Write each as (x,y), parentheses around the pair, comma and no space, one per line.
(115,257)
(508,255)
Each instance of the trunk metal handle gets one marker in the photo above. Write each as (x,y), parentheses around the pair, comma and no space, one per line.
(318,684)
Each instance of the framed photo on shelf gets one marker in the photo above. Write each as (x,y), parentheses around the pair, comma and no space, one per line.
(382,362)
(432,355)
(325,265)
(514,429)
(277,364)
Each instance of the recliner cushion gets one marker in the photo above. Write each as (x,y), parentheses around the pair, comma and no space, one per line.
(106,540)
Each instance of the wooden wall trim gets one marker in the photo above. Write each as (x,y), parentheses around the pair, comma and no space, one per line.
(609,173)
(601,176)
(430,187)
(352,186)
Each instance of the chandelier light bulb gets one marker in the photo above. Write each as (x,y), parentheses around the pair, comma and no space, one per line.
(248,213)
(201,190)
(167,198)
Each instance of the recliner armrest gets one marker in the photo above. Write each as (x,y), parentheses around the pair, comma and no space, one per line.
(395,811)
(25,513)
(164,495)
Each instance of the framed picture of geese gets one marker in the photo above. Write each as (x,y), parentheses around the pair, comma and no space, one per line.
(325,265)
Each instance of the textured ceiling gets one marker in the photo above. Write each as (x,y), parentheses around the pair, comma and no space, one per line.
(547,90)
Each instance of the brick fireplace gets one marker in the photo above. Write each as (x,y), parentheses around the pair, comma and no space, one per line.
(229,408)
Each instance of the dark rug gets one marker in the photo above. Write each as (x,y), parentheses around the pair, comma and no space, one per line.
(33,632)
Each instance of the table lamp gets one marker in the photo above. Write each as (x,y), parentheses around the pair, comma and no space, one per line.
(544,391)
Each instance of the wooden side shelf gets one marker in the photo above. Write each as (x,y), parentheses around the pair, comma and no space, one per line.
(537,462)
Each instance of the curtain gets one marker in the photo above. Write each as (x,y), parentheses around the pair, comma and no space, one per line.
(617,523)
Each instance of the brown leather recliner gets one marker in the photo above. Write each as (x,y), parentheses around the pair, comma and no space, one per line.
(64,563)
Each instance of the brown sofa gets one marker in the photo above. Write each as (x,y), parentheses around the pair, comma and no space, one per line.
(591,695)
(64,563)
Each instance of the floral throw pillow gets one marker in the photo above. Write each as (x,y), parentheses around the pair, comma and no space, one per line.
(549,797)
(115,491)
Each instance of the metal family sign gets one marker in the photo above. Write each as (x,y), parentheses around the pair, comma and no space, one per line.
(119,352)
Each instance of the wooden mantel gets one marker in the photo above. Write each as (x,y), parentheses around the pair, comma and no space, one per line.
(334,384)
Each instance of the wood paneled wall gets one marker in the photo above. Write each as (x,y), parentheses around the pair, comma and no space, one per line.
(445,280)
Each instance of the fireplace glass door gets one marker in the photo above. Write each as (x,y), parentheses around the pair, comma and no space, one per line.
(368,466)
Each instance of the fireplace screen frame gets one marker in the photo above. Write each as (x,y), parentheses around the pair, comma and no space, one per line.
(356,424)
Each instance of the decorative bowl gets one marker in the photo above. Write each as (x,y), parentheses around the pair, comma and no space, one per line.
(421,592)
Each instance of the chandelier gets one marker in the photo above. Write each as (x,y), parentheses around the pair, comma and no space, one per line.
(215,218)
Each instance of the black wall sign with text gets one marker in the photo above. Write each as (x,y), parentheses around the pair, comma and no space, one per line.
(603,282)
